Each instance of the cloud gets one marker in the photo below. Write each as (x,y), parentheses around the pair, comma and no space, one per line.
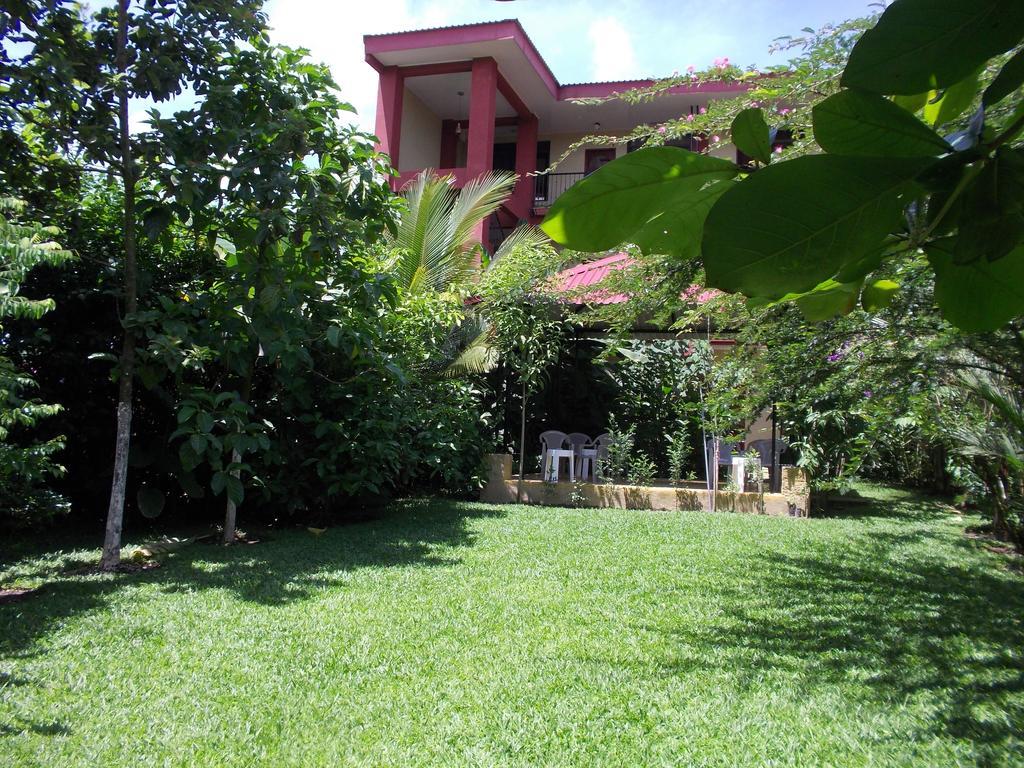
(612,51)
(333,32)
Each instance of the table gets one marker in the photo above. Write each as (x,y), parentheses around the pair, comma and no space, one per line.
(588,462)
(738,472)
(554,456)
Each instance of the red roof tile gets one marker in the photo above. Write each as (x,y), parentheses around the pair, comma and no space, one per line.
(592,273)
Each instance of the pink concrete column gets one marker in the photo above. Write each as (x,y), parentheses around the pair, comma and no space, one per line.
(483,91)
(482,94)
(390,90)
(526,163)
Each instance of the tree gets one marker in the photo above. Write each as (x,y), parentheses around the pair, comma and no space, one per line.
(286,199)
(814,229)
(526,322)
(434,246)
(70,95)
(24,464)
(995,445)
(657,383)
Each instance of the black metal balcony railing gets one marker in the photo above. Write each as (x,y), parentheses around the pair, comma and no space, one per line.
(548,187)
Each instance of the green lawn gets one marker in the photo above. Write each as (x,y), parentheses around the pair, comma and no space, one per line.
(461,634)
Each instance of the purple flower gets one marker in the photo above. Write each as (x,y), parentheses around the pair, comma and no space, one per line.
(835,357)
(867,393)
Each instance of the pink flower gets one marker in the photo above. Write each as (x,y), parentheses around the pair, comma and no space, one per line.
(691,69)
(778,150)
(700,294)
(703,110)
(784,111)
(689,118)
(715,139)
(722,62)
(661,129)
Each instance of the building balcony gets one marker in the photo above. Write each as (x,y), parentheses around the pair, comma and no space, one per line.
(550,186)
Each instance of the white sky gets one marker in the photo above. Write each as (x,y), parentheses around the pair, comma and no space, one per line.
(580,40)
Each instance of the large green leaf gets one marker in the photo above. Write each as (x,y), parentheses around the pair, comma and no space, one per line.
(829,299)
(992,210)
(955,99)
(1009,79)
(792,225)
(608,207)
(879,294)
(919,45)
(825,300)
(913,103)
(750,135)
(982,295)
(860,123)
(677,230)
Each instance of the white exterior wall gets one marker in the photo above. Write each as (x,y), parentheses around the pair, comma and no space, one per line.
(574,163)
(420,145)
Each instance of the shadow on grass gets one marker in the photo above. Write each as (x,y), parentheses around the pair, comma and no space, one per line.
(904,504)
(289,565)
(20,725)
(898,622)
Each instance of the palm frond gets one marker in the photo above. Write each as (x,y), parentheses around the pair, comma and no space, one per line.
(433,245)
(423,232)
(479,357)
(1007,403)
(477,200)
(521,237)
(1000,435)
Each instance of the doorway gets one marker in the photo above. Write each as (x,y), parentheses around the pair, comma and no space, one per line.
(595,158)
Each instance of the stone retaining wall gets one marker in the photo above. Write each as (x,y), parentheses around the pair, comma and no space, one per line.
(501,489)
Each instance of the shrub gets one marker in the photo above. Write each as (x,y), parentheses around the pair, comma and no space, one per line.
(641,469)
(679,452)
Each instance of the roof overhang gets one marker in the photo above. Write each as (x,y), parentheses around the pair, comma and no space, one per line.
(530,85)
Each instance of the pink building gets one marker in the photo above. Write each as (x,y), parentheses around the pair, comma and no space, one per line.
(468,99)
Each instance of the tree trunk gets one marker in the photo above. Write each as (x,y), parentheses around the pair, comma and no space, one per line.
(522,449)
(940,477)
(115,511)
(230,508)
(714,469)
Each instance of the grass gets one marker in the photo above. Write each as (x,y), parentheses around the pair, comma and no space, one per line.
(462,634)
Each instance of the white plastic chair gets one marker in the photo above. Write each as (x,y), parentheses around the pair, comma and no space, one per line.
(577,440)
(724,452)
(764,452)
(598,451)
(552,443)
(725,456)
